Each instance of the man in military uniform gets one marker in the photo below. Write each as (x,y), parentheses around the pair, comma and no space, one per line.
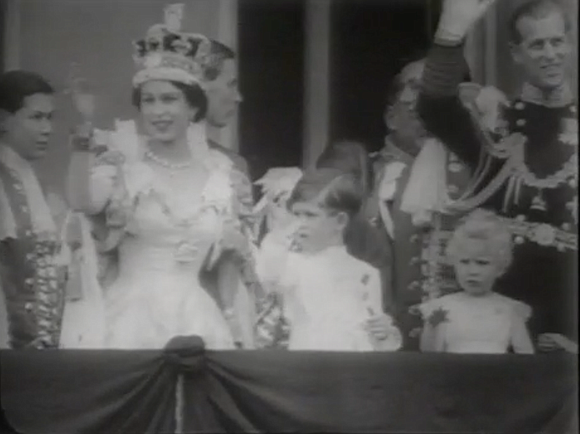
(411,237)
(526,158)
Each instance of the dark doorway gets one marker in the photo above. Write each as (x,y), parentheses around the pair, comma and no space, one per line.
(371,40)
(271,70)
(3,25)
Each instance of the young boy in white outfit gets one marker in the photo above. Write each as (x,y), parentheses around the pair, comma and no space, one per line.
(331,300)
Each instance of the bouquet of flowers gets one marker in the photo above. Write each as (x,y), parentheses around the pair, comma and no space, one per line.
(272,328)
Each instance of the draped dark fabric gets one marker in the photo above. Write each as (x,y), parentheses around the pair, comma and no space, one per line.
(277,391)
(52,391)
(400,392)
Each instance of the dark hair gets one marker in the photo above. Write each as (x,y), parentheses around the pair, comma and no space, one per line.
(336,190)
(15,86)
(534,9)
(350,157)
(398,83)
(194,95)
(218,54)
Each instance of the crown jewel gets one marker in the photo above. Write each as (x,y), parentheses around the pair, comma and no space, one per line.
(166,53)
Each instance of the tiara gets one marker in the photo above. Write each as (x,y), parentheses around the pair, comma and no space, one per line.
(166,53)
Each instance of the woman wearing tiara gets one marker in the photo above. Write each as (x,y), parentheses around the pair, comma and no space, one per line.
(168,202)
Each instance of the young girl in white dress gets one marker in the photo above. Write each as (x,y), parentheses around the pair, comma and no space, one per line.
(168,202)
(331,300)
(477,319)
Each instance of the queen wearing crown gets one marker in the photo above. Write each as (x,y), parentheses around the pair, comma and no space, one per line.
(163,205)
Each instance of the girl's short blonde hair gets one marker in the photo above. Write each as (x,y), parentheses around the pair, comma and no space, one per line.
(487,227)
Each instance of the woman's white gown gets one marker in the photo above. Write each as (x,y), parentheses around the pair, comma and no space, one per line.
(174,220)
(157,295)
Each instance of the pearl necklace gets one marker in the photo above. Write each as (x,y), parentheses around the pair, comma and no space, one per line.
(164,163)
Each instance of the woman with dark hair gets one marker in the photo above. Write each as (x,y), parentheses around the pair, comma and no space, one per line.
(32,286)
(169,203)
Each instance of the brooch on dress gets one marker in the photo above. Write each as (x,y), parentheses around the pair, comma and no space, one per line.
(437,317)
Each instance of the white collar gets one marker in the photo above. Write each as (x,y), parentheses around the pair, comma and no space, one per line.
(330,251)
(13,160)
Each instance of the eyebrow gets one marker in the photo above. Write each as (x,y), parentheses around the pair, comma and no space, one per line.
(546,38)
(162,94)
(43,112)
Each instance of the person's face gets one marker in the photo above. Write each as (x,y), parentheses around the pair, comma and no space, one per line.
(28,130)
(317,227)
(402,118)
(476,268)
(223,95)
(544,50)
(165,111)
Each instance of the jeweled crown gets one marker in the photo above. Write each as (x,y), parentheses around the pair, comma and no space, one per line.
(166,53)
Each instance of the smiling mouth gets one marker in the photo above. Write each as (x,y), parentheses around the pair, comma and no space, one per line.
(552,69)
(162,125)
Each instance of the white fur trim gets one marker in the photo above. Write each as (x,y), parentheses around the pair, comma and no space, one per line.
(387,189)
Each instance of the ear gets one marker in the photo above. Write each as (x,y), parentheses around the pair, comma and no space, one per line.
(569,46)
(515,52)
(343,219)
(390,118)
(192,113)
(4,118)
(501,269)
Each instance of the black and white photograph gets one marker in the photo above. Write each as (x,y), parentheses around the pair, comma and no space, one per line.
(293,216)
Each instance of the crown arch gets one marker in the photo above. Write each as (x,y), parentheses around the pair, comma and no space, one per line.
(47,36)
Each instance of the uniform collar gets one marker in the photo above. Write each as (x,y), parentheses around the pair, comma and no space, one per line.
(391,148)
(559,97)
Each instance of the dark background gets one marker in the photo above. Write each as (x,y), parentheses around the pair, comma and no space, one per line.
(271,69)
(370,42)
(2,27)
